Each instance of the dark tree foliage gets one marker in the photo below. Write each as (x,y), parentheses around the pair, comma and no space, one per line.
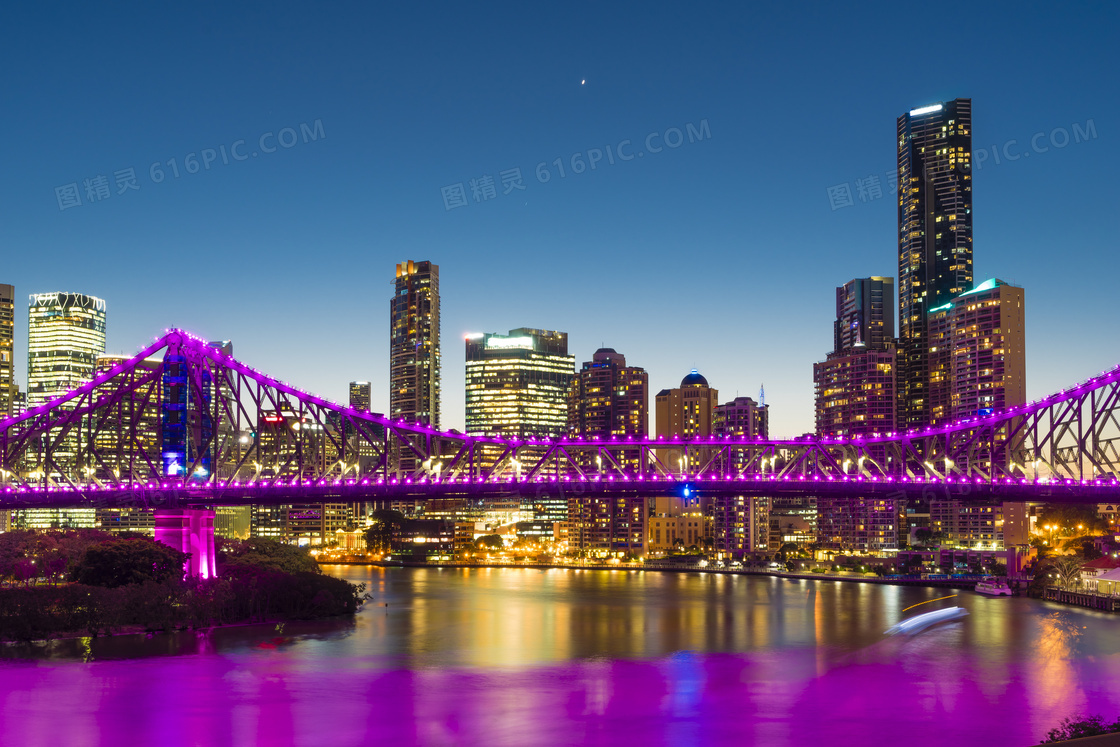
(121,562)
(266,553)
(1069,516)
(1085,726)
(138,584)
(379,536)
(1089,551)
(27,556)
(489,541)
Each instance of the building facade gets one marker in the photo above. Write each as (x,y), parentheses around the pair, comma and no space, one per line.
(7,350)
(855,387)
(361,394)
(518,384)
(687,411)
(65,335)
(855,393)
(414,351)
(864,315)
(934,236)
(977,353)
(609,398)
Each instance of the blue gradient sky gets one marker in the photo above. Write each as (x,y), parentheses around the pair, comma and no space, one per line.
(720,255)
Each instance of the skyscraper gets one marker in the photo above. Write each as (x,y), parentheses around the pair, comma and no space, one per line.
(934,236)
(414,358)
(609,398)
(864,315)
(65,335)
(978,353)
(685,411)
(7,350)
(360,395)
(517,384)
(856,386)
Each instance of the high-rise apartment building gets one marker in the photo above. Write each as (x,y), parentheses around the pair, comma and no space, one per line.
(609,398)
(742,417)
(7,350)
(934,236)
(856,386)
(864,315)
(518,384)
(414,357)
(977,353)
(686,411)
(65,335)
(855,394)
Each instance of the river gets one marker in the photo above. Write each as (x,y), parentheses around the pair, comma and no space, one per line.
(556,657)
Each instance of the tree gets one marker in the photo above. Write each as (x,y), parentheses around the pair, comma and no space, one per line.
(129,561)
(268,553)
(386,524)
(489,542)
(1085,726)
(1089,550)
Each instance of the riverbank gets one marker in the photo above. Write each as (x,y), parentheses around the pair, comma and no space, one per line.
(945,583)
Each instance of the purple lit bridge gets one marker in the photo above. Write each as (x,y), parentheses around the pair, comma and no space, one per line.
(183,425)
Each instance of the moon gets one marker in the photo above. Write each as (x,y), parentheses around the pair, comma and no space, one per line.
(583,81)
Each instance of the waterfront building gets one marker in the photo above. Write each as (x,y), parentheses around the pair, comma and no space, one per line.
(7,350)
(977,354)
(603,525)
(934,236)
(860,524)
(965,524)
(741,418)
(740,526)
(518,384)
(414,349)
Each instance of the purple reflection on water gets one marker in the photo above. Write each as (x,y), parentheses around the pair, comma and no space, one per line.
(682,699)
(510,657)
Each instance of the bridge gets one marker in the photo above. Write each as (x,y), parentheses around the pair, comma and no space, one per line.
(183,425)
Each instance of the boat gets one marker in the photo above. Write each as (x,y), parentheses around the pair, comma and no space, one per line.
(918,623)
(993,586)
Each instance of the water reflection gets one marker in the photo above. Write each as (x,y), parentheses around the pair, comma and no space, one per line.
(511,656)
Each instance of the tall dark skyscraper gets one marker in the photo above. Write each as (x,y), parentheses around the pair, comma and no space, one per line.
(414,359)
(7,339)
(609,398)
(864,315)
(360,395)
(934,236)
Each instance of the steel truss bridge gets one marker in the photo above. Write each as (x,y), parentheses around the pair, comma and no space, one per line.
(182,424)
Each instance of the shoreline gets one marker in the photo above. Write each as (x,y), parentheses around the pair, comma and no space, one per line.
(968,584)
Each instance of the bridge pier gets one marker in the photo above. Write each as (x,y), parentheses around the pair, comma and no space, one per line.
(189,530)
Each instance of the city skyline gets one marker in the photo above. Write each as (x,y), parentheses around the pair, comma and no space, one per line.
(320,222)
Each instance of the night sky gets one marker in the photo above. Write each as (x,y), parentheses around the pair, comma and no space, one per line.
(721,254)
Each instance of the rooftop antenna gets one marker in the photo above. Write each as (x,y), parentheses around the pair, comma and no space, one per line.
(762,395)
